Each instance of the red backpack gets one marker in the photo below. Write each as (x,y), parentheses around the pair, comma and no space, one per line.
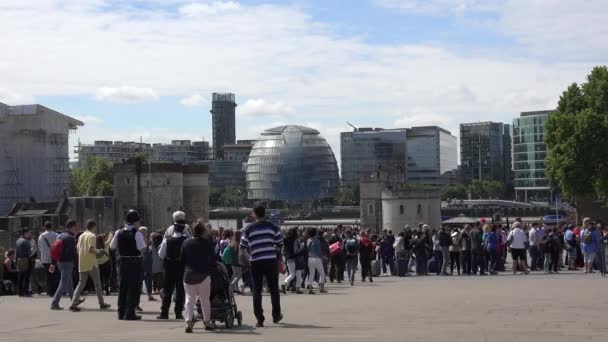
(57,250)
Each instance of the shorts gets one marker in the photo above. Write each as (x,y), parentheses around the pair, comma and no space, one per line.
(518,253)
(589,257)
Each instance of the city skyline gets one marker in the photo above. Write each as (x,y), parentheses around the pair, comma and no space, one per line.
(147,68)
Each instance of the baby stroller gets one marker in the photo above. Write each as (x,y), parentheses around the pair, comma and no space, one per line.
(223,305)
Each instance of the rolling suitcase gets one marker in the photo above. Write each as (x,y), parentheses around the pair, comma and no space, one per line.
(375,268)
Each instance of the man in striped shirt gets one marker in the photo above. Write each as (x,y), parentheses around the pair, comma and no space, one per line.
(262,239)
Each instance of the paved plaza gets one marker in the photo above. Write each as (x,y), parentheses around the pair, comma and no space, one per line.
(564,307)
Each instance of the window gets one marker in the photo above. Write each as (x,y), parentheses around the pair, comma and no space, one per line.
(371,210)
(168,181)
(128,180)
(401,209)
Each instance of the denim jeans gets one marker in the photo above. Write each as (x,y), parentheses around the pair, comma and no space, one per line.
(351,268)
(65,282)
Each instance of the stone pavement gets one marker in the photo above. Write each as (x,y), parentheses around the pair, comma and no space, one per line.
(565,307)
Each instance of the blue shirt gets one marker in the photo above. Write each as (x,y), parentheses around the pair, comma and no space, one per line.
(23,248)
(492,241)
(262,238)
(69,252)
(594,246)
(569,235)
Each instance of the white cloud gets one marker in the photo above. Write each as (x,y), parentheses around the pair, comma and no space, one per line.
(193,100)
(444,7)
(88,119)
(261,107)
(125,94)
(12,98)
(422,117)
(215,7)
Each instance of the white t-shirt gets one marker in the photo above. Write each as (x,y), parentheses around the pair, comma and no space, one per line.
(519,238)
(45,241)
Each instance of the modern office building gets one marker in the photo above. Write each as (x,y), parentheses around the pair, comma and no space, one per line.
(431,156)
(226,174)
(366,151)
(34,154)
(223,109)
(529,153)
(292,164)
(485,151)
(181,151)
(239,151)
(115,151)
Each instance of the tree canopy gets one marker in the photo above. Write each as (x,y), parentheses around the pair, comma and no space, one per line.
(577,138)
(95,178)
(477,189)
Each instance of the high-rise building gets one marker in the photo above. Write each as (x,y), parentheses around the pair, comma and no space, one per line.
(529,153)
(181,151)
(431,156)
(240,151)
(366,151)
(34,154)
(485,151)
(115,151)
(223,119)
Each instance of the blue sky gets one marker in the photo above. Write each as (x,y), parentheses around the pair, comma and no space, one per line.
(147,68)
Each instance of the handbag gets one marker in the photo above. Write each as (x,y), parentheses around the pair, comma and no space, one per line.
(281,266)
(335,248)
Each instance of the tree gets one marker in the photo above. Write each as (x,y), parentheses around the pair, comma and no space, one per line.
(95,178)
(577,138)
(348,195)
(454,191)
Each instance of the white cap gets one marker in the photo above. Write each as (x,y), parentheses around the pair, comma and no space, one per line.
(179,216)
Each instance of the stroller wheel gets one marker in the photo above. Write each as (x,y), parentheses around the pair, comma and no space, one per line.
(229,320)
(239,318)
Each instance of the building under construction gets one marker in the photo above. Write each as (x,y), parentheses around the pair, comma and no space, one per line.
(34,154)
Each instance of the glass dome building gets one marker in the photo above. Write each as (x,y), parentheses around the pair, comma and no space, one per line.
(292,163)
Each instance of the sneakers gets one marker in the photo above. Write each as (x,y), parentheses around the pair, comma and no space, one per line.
(189,326)
(310,290)
(133,318)
(163,317)
(278,319)
(284,289)
(139,309)
(104,306)
(259,324)
(179,317)
(56,308)
(74,309)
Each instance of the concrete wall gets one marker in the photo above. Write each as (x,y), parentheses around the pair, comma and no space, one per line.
(370,200)
(418,206)
(103,210)
(196,196)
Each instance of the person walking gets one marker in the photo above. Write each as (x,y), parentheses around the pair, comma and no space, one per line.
(351,246)
(88,266)
(24,270)
(336,269)
(45,241)
(437,253)
(65,263)
(366,255)
(492,249)
(315,261)
(129,243)
(262,239)
(170,252)
(292,248)
(103,261)
(445,241)
(237,269)
(198,257)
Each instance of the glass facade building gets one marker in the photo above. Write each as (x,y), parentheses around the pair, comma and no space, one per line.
(223,120)
(432,156)
(529,153)
(485,151)
(292,163)
(366,151)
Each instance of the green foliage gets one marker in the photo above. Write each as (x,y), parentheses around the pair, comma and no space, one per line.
(348,196)
(577,138)
(95,178)
(228,197)
(478,190)
(455,191)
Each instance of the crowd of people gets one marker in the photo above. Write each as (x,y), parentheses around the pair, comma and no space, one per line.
(176,263)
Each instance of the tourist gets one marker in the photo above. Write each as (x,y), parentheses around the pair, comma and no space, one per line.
(156,240)
(88,266)
(336,268)
(517,242)
(45,241)
(387,253)
(179,218)
(103,261)
(534,246)
(9,281)
(65,263)
(455,250)
(366,255)
(261,239)
(492,248)
(407,250)
(420,248)
(437,253)
(445,241)
(315,262)
(198,257)
(324,250)
(237,269)
(570,244)
(147,260)
(351,247)
(226,252)
(170,251)
(292,248)
(129,244)
(465,249)
(477,251)
(23,254)
(590,244)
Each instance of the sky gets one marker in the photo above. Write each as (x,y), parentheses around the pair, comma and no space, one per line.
(146,69)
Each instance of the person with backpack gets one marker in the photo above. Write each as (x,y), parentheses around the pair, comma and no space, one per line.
(366,255)
(420,249)
(45,241)
(492,249)
(315,263)
(336,269)
(570,244)
(88,267)
(237,269)
(170,252)
(351,247)
(292,248)
(549,249)
(477,253)
(590,244)
(129,243)
(63,252)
